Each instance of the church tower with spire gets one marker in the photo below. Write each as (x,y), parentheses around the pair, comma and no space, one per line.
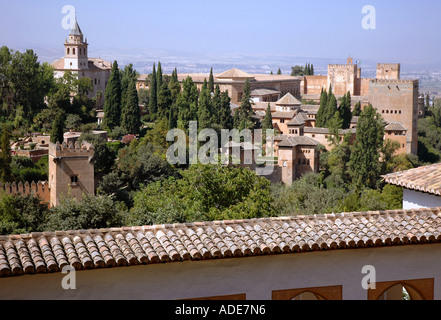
(75,50)
(77,61)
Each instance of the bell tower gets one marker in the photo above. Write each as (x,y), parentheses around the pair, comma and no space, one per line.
(75,50)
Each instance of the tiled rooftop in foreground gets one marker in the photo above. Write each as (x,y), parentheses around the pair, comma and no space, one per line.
(45,252)
(425,179)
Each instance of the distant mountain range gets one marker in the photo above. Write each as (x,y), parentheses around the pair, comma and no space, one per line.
(189,62)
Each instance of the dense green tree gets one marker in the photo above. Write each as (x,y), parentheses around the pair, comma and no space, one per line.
(130,117)
(24,82)
(279,72)
(141,164)
(73,122)
(20,215)
(127,75)
(104,156)
(157,136)
(365,167)
(357,109)
(24,169)
(112,96)
(5,156)
(57,133)
(205,192)
(187,104)
(91,212)
(165,101)
(297,71)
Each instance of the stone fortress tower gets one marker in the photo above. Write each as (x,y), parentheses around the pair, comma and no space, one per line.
(71,171)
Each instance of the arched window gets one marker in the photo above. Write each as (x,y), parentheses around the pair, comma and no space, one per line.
(317,293)
(308,295)
(73,51)
(68,50)
(403,290)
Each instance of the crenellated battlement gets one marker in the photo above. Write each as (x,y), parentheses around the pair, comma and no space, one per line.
(392,81)
(37,189)
(71,149)
(342,66)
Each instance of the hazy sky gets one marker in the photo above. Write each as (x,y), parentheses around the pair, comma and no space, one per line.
(406,31)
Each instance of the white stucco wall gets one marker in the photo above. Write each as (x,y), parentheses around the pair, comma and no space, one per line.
(415,200)
(255,276)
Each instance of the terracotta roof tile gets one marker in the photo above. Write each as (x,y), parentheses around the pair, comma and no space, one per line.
(45,252)
(425,179)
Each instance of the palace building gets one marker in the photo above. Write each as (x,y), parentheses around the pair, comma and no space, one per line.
(264,87)
(77,61)
(394,98)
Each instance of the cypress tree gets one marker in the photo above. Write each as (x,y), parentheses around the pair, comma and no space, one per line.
(153,101)
(236,119)
(345,111)
(216,105)
(312,70)
(204,107)
(246,108)
(331,109)
(112,96)
(172,117)
(320,119)
(364,164)
(187,103)
(126,76)
(159,78)
(279,72)
(5,157)
(225,118)
(57,132)
(305,71)
(130,114)
(211,81)
(164,101)
(267,122)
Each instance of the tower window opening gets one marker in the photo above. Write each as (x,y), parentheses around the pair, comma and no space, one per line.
(74,180)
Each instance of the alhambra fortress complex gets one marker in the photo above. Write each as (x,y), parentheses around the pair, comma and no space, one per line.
(296,146)
(221,260)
